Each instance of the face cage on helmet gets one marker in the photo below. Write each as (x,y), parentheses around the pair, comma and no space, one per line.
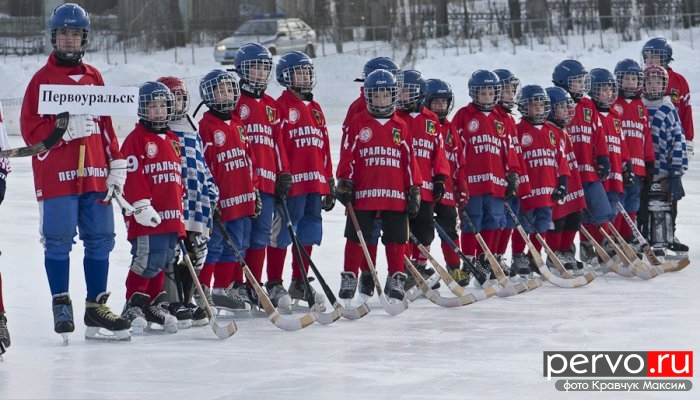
(662,54)
(216,85)
(288,78)
(571,112)
(245,73)
(586,85)
(381,111)
(413,95)
(474,92)
(508,105)
(524,108)
(655,95)
(596,93)
(184,99)
(450,104)
(146,99)
(70,55)
(628,93)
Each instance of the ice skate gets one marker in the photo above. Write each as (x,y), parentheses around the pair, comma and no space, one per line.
(4,334)
(200,303)
(63,316)
(279,296)
(460,276)
(297,291)
(348,287)
(676,250)
(157,318)
(102,324)
(366,285)
(394,287)
(521,266)
(133,311)
(199,315)
(182,313)
(234,299)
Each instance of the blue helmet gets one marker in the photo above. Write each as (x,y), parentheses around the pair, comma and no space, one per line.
(385,63)
(603,87)
(562,106)
(658,47)
(296,62)
(69,16)
(438,89)
(483,79)
(533,104)
(572,77)
(507,79)
(629,68)
(410,93)
(154,116)
(219,82)
(376,84)
(252,55)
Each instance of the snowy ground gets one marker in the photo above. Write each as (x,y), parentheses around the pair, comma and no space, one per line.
(491,348)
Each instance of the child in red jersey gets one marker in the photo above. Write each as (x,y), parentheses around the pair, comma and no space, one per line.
(154,187)
(378,174)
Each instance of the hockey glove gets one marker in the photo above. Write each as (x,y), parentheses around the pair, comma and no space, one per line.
(3,184)
(196,245)
(675,185)
(649,178)
(438,187)
(80,126)
(603,167)
(345,191)
(689,149)
(462,194)
(328,201)
(512,185)
(627,176)
(283,185)
(413,202)
(145,214)
(116,178)
(560,191)
(258,204)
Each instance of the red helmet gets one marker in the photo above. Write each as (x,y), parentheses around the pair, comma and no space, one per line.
(654,73)
(179,89)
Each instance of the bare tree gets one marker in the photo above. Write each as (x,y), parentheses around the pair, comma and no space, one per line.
(605,14)
(516,30)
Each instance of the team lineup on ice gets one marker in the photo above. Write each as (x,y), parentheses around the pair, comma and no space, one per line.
(561,186)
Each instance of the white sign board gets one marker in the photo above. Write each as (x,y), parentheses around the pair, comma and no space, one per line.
(93,100)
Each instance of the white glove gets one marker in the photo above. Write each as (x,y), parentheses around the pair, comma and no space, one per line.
(116,178)
(80,126)
(689,149)
(145,214)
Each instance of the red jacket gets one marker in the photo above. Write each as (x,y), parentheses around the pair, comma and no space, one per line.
(636,135)
(679,91)
(379,160)
(617,150)
(154,173)
(523,179)
(228,157)
(305,141)
(56,170)
(574,200)
(456,180)
(588,138)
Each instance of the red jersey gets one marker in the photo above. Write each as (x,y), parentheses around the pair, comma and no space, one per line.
(305,139)
(428,148)
(260,119)
(523,179)
(456,180)
(154,173)
(56,170)
(634,119)
(588,137)
(679,91)
(376,156)
(227,154)
(616,148)
(544,160)
(487,150)
(574,199)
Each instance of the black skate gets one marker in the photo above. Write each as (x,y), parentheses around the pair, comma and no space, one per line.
(200,303)
(680,250)
(297,291)
(394,287)
(158,319)
(4,333)
(462,278)
(102,323)
(279,296)
(233,299)
(133,311)
(429,274)
(62,315)
(520,266)
(348,286)
(366,284)
(199,315)
(182,313)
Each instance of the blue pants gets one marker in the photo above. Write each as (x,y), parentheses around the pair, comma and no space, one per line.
(514,204)
(630,199)
(597,202)
(541,218)
(260,230)
(305,213)
(486,212)
(218,249)
(151,254)
(613,197)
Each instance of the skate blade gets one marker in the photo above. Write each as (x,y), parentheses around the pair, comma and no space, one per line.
(200,322)
(153,327)
(184,323)
(66,338)
(96,333)
(319,302)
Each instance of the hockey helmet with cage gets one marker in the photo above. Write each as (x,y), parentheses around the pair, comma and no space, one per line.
(655,82)
(603,87)
(381,91)
(571,76)
(153,115)
(560,99)
(657,51)
(507,78)
(487,84)
(214,90)
(296,63)
(410,93)
(69,16)
(624,70)
(180,93)
(534,104)
(253,57)
(438,89)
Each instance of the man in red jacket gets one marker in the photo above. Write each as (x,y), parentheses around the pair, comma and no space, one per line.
(73,178)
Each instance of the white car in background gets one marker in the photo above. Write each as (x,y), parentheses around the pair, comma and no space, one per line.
(279,35)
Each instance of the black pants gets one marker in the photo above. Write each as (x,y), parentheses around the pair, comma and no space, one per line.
(394,225)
